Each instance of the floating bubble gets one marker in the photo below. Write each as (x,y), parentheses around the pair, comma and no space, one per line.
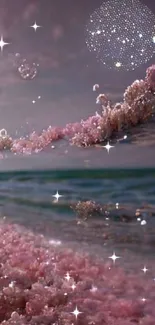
(28,71)
(121,34)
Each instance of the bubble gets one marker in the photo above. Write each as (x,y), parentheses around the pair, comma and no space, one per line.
(28,71)
(121,34)
(17,55)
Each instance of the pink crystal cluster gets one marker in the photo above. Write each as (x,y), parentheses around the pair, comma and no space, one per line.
(34,288)
(137,107)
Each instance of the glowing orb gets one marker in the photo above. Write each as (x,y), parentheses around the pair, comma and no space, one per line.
(121,34)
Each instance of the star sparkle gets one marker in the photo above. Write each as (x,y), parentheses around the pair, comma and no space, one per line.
(76,312)
(144,269)
(143,299)
(114,257)
(108,147)
(121,34)
(73,286)
(57,196)
(2,43)
(35,26)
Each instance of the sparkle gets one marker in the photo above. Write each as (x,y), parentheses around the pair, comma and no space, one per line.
(144,269)
(114,257)
(143,299)
(57,196)
(143,223)
(67,277)
(93,289)
(35,26)
(73,286)
(2,43)
(117,205)
(108,147)
(11,284)
(118,64)
(76,312)
(153,39)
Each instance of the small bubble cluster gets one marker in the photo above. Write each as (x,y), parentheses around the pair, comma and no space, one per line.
(121,34)
(27,71)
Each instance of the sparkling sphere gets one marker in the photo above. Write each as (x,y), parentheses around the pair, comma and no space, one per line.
(27,71)
(121,34)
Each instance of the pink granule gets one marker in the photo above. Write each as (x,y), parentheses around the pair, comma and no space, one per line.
(34,290)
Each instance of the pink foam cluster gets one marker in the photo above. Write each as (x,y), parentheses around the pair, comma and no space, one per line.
(150,77)
(34,289)
(137,107)
(36,143)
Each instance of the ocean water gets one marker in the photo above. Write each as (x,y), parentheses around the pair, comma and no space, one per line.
(26,197)
(42,240)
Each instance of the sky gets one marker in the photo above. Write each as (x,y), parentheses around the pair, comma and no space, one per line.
(67,70)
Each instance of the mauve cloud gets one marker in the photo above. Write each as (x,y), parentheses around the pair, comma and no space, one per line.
(30,10)
(57,32)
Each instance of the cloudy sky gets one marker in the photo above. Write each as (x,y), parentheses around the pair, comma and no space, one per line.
(67,70)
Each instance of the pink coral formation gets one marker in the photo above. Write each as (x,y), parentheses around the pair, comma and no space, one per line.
(132,92)
(35,289)
(36,142)
(137,107)
(150,77)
